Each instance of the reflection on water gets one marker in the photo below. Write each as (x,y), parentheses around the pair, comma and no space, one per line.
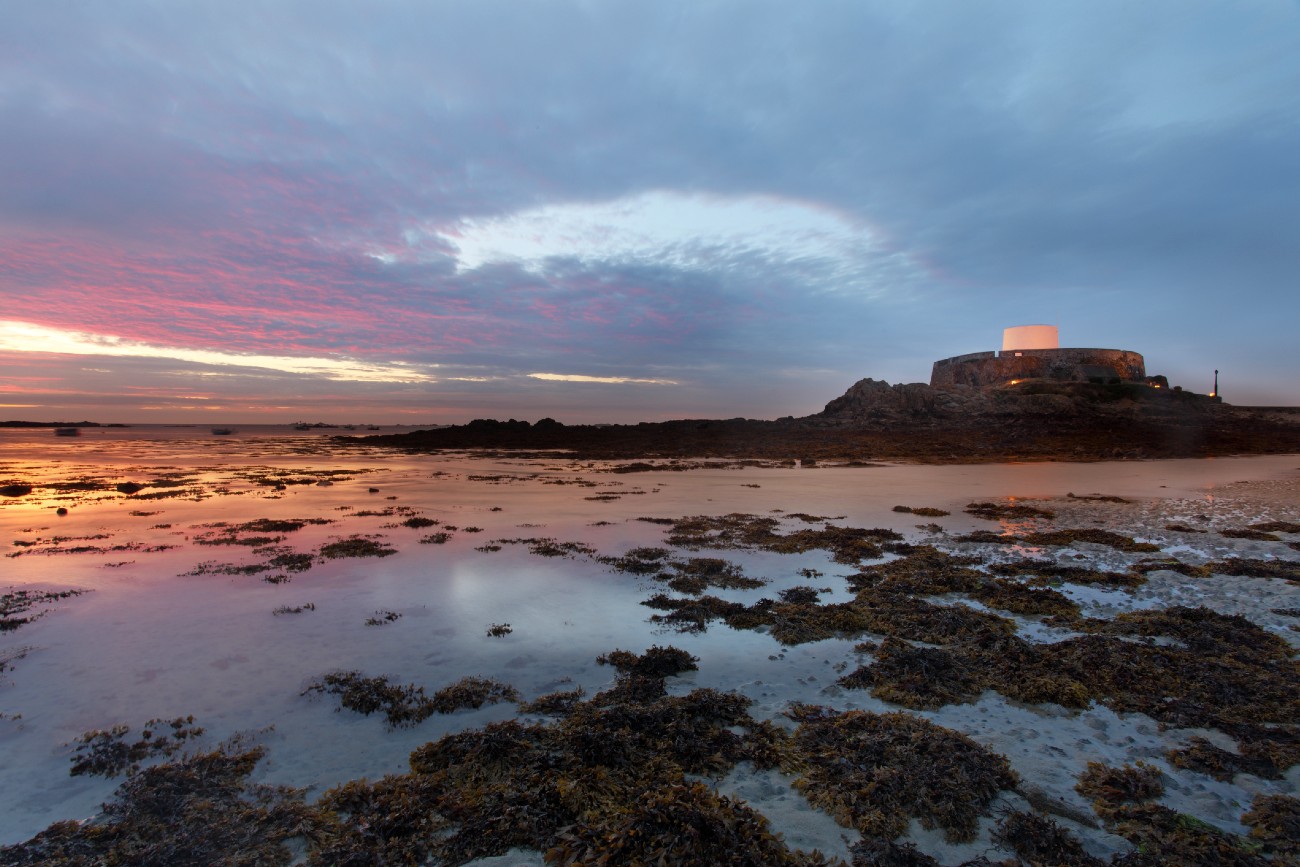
(154,639)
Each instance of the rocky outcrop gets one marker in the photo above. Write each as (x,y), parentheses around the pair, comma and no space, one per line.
(875,403)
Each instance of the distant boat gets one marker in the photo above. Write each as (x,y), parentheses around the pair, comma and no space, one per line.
(223,431)
(372,427)
(302,425)
(67,431)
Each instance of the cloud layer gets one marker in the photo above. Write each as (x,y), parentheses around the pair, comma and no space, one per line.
(635,210)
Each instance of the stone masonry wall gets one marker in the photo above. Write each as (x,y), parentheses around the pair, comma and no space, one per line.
(1066,365)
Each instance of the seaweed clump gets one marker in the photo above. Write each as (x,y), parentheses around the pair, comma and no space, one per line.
(1201,678)
(874,771)
(924,678)
(408,705)
(1206,758)
(686,823)
(848,545)
(1007,511)
(1109,788)
(106,753)
(1274,821)
(1038,840)
(356,546)
(655,662)
(197,810)
(1287,570)
(924,511)
(1163,836)
(18,602)
(576,788)
(1049,570)
(1089,534)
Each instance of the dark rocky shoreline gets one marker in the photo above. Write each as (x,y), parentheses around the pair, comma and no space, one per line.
(873,420)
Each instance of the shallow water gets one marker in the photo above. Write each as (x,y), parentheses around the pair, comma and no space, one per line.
(152,641)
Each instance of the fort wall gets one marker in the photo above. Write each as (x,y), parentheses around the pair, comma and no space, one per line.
(1063,365)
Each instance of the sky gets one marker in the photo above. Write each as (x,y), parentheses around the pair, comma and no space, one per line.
(631,210)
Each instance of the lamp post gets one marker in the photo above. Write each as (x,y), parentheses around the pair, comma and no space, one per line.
(1215,393)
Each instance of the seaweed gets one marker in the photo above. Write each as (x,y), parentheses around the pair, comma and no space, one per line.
(106,753)
(1109,788)
(1163,836)
(1097,498)
(1040,841)
(923,570)
(800,595)
(403,706)
(922,678)
(1206,758)
(683,823)
(1007,511)
(390,821)
(355,546)
(548,547)
(847,545)
(874,771)
(17,602)
(878,852)
(383,618)
(200,809)
(1022,599)
(924,511)
(1287,570)
(1169,564)
(655,662)
(988,537)
(1052,571)
(417,522)
(716,572)
(441,539)
(1276,527)
(559,703)
(639,561)
(1250,533)
(1094,536)
(472,693)
(499,630)
(1274,820)
(918,620)
(692,615)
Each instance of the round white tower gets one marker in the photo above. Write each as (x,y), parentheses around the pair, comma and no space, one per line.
(1030,337)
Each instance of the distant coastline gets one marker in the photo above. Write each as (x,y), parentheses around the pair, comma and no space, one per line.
(13,423)
(915,422)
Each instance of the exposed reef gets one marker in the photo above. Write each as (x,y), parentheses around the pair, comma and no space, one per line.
(1034,420)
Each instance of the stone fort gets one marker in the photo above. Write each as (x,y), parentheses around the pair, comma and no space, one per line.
(1034,352)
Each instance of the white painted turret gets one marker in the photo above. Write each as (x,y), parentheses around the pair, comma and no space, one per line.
(1030,337)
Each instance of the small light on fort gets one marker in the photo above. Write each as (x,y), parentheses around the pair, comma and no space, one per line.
(1155,385)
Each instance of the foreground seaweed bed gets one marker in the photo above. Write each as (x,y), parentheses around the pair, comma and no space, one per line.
(575,787)
(1232,649)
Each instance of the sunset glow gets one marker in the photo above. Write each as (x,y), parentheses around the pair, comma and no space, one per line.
(478,210)
(22,337)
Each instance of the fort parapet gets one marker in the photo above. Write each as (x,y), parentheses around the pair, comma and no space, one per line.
(1062,365)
